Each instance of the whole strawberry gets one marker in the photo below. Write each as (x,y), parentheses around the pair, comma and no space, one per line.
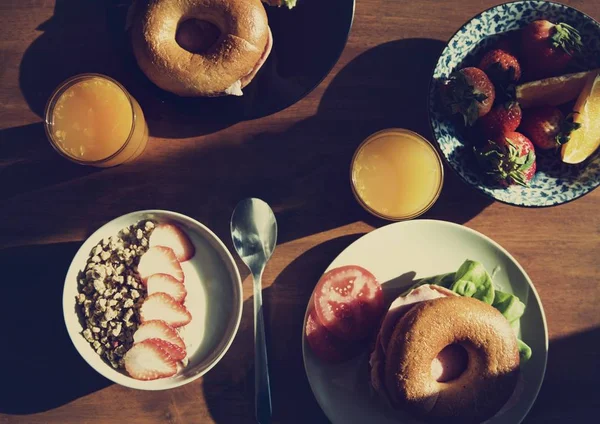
(547,48)
(509,159)
(470,93)
(501,66)
(502,118)
(547,127)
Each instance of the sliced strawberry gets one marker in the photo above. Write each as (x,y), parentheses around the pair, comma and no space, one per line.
(160,260)
(174,351)
(163,307)
(349,302)
(170,235)
(324,344)
(164,283)
(148,360)
(158,329)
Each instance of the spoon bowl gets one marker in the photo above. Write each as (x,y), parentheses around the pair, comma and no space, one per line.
(254,233)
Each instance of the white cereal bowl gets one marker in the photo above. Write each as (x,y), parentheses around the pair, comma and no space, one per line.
(214,299)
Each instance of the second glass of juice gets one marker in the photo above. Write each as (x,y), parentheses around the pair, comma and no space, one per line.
(396,174)
(91,119)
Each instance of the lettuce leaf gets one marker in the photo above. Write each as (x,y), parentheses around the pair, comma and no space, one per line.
(509,305)
(524,351)
(472,280)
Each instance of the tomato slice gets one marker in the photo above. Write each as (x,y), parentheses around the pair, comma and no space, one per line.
(349,302)
(325,345)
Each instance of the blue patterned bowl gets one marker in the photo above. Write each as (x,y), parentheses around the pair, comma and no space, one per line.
(555,182)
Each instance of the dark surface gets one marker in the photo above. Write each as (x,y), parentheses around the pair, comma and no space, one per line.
(307,42)
(298,160)
(42,369)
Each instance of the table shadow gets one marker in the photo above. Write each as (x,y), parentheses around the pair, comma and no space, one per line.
(89,37)
(42,369)
(302,171)
(229,387)
(93,37)
(311,191)
(570,389)
(29,163)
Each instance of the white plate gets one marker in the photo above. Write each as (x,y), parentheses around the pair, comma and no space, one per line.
(397,254)
(214,299)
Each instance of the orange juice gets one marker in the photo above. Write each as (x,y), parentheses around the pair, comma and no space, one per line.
(91,119)
(396,174)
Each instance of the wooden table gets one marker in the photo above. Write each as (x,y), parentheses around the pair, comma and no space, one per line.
(296,160)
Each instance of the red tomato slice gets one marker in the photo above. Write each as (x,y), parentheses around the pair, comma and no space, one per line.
(325,345)
(349,302)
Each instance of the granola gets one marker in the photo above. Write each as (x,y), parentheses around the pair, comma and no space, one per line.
(111,292)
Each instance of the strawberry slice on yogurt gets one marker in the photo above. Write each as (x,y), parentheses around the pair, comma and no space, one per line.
(149,360)
(173,237)
(160,260)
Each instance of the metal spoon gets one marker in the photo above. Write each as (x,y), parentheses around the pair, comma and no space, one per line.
(254,234)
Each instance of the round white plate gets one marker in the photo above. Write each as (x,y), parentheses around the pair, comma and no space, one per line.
(214,299)
(397,255)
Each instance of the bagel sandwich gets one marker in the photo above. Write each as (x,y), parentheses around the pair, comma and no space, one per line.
(448,357)
(203,48)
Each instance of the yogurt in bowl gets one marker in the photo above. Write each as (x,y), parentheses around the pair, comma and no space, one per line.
(214,301)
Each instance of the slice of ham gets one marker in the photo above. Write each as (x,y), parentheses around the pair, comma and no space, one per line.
(397,309)
(401,305)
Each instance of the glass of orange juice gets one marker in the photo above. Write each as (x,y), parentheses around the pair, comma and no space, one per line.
(91,119)
(396,174)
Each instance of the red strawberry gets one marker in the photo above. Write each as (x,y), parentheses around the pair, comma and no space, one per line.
(501,119)
(501,66)
(173,350)
(509,42)
(159,260)
(509,159)
(547,127)
(163,307)
(469,92)
(170,235)
(157,329)
(148,360)
(164,283)
(547,49)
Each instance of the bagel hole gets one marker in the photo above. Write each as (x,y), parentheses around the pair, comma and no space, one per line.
(450,363)
(197,36)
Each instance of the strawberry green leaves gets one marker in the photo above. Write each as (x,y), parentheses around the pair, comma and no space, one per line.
(566,38)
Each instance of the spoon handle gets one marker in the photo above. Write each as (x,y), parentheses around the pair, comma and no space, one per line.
(262,386)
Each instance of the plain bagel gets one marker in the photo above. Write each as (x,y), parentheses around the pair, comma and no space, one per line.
(493,360)
(225,67)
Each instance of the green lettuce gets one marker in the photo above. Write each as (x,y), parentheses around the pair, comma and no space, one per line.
(473,280)
(509,305)
(524,351)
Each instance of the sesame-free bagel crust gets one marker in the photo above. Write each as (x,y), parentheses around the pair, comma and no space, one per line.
(491,374)
(243,41)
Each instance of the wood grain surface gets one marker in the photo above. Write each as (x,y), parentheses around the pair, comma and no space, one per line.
(297,160)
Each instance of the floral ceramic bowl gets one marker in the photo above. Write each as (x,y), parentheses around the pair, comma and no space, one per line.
(555,182)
